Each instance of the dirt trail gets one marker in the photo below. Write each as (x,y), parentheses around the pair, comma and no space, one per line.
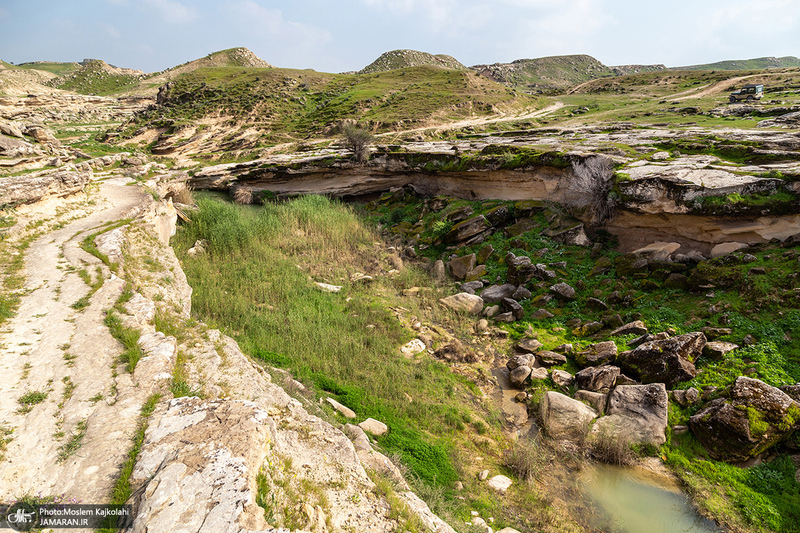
(69,354)
(721,86)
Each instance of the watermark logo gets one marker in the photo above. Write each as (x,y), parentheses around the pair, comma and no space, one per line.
(21,516)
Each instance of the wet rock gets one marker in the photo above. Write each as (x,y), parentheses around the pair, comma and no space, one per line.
(666,361)
(754,418)
(460,266)
(596,400)
(548,358)
(495,293)
(465,302)
(636,327)
(597,354)
(564,417)
(563,291)
(636,413)
(597,378)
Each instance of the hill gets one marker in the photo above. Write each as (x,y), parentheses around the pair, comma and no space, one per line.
(53,67)
(545,74)
(232,57)
(397,59)
(746,64)
(96,77)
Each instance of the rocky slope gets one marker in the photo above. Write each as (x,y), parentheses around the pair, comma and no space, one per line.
(397,59)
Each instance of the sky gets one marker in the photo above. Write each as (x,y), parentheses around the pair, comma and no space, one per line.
(345,35)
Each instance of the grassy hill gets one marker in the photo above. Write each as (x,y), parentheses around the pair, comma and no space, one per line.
(285,105)
(398,59)
(54,67)
(747,64)
(545,74)
(96,77)
(232,57)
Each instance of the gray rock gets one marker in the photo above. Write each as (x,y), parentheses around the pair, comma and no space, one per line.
(718,349)
(597,305)
(505,317)
(565,418)
(492,311)
(596,400)
(495,293)
(562,378)
(438,272)
(538,373)
(563,291)
(520,269)
(541,314)
(460,266)
(521,294)
(548,358)
(521,359)
(597,378)
(598,354)
(529,345)
(637,414)
(520,376)
(666,361)
(471,286)
(636,327)
(512,306)
(465,302)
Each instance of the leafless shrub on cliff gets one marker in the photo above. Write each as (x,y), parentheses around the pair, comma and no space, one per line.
(590,189)
(356,139)
(242,195)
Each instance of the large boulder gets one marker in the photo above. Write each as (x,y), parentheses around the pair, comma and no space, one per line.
(463,301)
(755,417)
(494,294)
(598,354)
(565,418)
(597,378)
(461,266)
(668,361)
(636,414)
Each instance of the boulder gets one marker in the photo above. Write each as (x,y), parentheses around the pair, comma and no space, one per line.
(513,307)
(538,373)
(484,253)
(541,314)
(636,327)
(34,187)
(718,349)
(438,272)
(597,354)
(460,266)
(520,269)
(521,359)
(668,361)
(596,304)
(377,428)
(755,417)
(476,273)
(563,291)
(529,345)
(636,413)
(597,378)
(494,294)
(500,483)
(467,229)
(8,128)
(676,281)
(658,251)
(521,294)
(596,400)
(713,333)
(562,378)
(565,418)
(346,411)
(726,248)
(519,377)
(548,358)
(465,302)
(471,286)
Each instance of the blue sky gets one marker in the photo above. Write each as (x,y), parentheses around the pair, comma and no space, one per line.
(341,35)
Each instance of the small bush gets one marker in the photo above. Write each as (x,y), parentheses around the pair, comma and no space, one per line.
(357,139)
(242,195)
(611,447)
(526,458)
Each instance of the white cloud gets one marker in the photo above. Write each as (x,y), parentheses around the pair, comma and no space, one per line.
(172,11)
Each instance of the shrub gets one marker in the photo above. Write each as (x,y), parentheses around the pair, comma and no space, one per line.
(525,458)
(612,447)
(357,139)
(590,189)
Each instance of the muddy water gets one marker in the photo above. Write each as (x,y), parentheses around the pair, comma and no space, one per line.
(635,501)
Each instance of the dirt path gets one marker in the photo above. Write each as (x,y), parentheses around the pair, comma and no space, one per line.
(67,354)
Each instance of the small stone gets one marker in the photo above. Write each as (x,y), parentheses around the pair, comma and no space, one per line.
(412,348)
(465,302)
(541,314)
(563,291)
(482,325)
(749,340)
(636,327)
(521,397)
(538,373)
(327,287)
(562,378)
(529,345)
(597,305)
(483,475)
(548,358)
(521,294)
(505,317)
(500,483)
(492,311)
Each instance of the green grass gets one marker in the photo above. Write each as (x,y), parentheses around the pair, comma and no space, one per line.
(128,337)
(74,443)
(249,284)
(29,399)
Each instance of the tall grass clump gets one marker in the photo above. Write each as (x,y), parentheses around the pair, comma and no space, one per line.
(256,282)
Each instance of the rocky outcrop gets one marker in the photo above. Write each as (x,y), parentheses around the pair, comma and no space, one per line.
(754,418)
(668,361)
(636,414)
(34,187)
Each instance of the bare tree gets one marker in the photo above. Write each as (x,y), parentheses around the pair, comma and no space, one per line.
(590,187)
(357,139)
